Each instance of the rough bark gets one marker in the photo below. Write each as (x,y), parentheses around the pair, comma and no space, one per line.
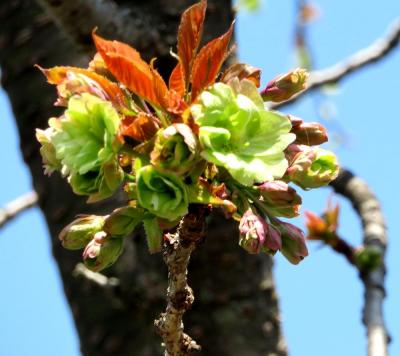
(235,312)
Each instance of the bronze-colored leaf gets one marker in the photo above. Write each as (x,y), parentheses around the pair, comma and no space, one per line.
(141,127)
(209,61)
(176,80)
(113,93)
(128,68)
(189,36)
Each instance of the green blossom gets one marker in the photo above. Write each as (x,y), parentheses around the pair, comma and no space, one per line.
(163,194)
(175,149)
(236,132)
(82,144)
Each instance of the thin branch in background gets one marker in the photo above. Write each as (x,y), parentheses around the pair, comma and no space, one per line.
(374,230)
(177,250)
(371,54)
(17,206)
(78,18)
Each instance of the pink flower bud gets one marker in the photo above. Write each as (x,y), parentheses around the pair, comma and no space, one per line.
(102,251)
(285,86)
(280,199)
(293,242)
(256,235)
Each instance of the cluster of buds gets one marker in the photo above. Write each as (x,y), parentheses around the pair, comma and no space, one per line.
(203,138)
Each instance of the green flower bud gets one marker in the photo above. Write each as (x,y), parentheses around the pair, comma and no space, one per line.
(175,149)
(313,168)
(122,221)
(102,252)
(236,132)
(163,194)
(77,234)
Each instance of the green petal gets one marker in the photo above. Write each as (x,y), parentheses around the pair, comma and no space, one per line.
(236,132)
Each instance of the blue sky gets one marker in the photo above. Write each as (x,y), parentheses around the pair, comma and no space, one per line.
(321,299)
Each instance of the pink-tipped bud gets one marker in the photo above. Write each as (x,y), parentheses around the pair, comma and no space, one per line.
(285,85)
(102,252)
(293,242)
(280,199)
(311,168)
(256,235)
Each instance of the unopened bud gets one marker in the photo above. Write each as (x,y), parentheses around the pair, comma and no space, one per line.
(312,168)
(285,86)
(102,252)
(293,242)
(255,234)
(122,221)
(308,133)
(280,199)
(77,234)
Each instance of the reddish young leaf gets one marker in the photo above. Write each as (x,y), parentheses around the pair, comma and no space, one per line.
(58,75)
(105,46)
(209,61)
(189,36)
(141,128)
(126,65)
(176,80)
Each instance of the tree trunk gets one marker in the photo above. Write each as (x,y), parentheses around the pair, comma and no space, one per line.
(235,310)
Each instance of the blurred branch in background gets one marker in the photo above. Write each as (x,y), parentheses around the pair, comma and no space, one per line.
(371,54)
(368,208)
(17,206)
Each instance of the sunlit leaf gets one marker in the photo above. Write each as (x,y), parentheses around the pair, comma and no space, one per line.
(176,80)
(125,64)
(57,75)
(209,61)
(141,128)
(189,36)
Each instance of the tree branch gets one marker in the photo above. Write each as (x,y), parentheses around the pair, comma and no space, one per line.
(177,250)
(371,54)
(367,206)
(78,18)
(17,206)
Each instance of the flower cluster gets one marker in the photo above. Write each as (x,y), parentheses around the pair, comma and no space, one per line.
(203,138)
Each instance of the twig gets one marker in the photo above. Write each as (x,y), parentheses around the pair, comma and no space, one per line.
(367,206)
(12,209)
(78,18)
(177,250)
(371,54)
(96,278)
